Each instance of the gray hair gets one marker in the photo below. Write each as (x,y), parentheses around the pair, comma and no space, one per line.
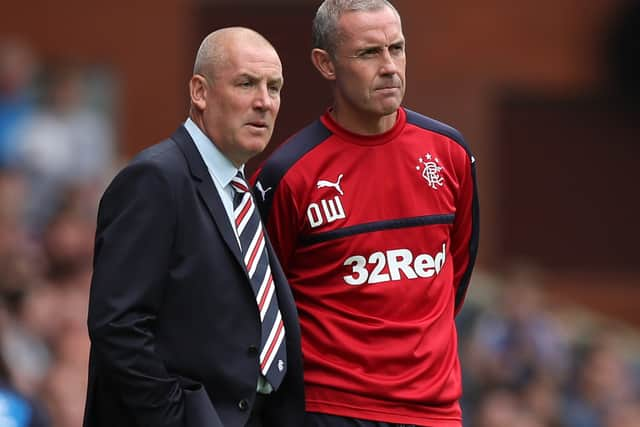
(325,24)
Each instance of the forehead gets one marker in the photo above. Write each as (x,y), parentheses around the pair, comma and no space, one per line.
(256,59)
(372,27)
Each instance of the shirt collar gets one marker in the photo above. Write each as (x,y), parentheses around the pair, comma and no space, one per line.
(219,166)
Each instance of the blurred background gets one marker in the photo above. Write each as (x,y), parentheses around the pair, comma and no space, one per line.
(546,92)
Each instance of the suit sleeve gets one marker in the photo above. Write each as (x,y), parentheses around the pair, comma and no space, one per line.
(464,238)
(134,236)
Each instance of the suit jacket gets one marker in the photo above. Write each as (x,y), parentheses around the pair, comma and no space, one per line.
(174,326)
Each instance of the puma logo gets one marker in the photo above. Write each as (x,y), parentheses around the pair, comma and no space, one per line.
(324,183)
(262,191)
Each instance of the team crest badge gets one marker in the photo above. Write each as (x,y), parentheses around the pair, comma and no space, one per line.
(430,167)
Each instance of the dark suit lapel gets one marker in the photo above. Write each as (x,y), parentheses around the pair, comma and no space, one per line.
(207,190)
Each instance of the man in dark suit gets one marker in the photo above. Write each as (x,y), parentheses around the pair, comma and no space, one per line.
(191,320)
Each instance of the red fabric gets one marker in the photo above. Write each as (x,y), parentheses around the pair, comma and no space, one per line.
(377,308)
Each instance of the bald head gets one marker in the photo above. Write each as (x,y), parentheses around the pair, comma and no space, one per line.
(214,49)
(235,91)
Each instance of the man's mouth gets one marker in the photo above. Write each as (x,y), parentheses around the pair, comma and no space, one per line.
(258,124)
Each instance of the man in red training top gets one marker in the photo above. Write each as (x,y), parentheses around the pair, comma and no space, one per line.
(374,215)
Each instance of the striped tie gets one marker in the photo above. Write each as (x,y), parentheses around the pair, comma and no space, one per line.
(273,356)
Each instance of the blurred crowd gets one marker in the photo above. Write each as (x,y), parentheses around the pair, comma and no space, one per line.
(526,362)
(57,152)
(531,362)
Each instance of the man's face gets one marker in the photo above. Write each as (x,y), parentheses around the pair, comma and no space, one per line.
(370,63)
(243,99)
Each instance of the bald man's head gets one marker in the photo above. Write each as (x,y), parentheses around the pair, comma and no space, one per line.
(235,91)
(214,49)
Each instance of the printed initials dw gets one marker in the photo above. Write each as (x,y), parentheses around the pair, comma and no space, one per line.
(332,210)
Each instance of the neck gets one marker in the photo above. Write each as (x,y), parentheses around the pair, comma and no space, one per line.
(196,118)
(363,124)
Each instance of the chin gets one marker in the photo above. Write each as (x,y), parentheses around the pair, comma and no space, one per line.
(389,106)
(256,146)
(389,109)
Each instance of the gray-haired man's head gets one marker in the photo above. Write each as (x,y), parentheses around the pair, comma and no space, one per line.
(325,32)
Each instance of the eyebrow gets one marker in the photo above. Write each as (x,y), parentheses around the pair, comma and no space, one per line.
(369,47)
(254,78)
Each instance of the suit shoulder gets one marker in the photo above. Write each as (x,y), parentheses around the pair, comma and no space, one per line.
(164,156)
(162,163)
(159,153)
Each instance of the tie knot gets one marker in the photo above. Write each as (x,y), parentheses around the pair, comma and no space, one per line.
(239,184)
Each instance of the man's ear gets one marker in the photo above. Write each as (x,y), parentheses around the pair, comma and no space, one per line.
(323,62)
(198,87)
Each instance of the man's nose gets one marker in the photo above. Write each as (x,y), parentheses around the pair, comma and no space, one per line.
(262,99)
(389,65)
